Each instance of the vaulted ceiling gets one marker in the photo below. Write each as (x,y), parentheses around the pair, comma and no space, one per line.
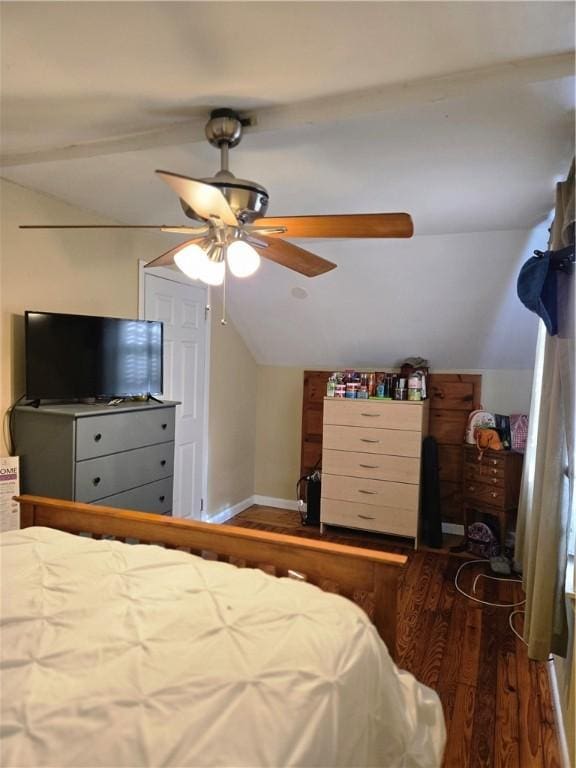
(459,113)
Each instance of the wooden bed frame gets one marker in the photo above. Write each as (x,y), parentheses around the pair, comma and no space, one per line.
(368,577)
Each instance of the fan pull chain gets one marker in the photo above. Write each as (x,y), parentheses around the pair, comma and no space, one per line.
(223,318)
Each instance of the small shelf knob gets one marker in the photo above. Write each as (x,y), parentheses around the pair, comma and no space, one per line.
(97,437)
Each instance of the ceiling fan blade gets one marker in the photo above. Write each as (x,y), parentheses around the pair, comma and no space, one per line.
(293,257)
(108,226)
(167,257)
(342,225)
(207,201)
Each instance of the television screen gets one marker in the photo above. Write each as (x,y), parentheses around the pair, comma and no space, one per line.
(71,357)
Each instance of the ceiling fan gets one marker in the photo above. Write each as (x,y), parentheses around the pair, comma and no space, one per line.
(231,224)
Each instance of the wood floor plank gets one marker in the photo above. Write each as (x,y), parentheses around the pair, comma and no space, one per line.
(458,754)
(507,734)
(547,725)
(471,645)
(424,600)
(497,703)
(482,746)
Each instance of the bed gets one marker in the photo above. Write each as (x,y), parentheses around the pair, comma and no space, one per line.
(117,654)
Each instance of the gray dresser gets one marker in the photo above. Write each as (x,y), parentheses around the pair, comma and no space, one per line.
(119,456)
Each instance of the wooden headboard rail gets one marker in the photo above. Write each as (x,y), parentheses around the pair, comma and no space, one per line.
(335,567)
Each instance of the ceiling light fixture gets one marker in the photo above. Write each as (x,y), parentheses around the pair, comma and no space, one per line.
(242,259)
(189,260)
(208,264)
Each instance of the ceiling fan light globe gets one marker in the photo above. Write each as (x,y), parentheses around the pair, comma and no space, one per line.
(243,260)
(212,272)
(190,260)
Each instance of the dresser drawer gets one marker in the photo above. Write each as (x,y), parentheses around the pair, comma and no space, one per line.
(400,469)
(484,493)
(371,492)
(398,522)
(114,432)
(493,476)
(366,413)
(492,460)
(106,475)
(153,497)
(367,440)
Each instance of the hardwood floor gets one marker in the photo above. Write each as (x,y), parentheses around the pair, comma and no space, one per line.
(496,701)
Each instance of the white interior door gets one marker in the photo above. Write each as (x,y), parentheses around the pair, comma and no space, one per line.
(182,309)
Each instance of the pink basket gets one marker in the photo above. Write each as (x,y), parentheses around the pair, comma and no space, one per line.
(519,431)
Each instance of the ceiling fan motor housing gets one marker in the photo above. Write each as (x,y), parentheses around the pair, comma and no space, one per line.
(248,200)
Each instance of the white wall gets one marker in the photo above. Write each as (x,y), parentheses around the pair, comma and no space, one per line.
(448,298)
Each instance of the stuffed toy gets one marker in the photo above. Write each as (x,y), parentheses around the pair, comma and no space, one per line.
(487,439)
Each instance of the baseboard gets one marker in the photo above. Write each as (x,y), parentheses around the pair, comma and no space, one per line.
(272,501)
(455,528)
(558,716)
(229,512)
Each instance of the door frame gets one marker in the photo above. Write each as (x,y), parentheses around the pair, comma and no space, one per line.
(178,277)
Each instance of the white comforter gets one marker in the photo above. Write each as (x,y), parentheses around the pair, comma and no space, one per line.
(118,655)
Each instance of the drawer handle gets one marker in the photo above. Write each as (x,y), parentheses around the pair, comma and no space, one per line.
(164,426)
(471,487)
(96,481)
(97,437)
(365,517)
(494,461)
(371,415)
(163,463)
(161,498)
(369,466)
(368,493)
(494,480)
(366,440)
(494,495)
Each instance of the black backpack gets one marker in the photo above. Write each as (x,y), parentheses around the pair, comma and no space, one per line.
(308,492)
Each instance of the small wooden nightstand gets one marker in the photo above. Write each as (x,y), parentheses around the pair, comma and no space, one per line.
(491,486)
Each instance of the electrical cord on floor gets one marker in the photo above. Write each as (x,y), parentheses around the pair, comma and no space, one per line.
(486,576)
(518,635)
(495,605)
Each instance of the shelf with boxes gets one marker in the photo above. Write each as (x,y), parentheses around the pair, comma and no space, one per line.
(371,454)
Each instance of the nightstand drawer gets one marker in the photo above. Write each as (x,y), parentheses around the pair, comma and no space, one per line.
(114,432)
(367,440)
(108,475)
(493,476)
(400,469)
(493,460)
(398,522)
(371,492)
(484,493)
(153,497)
(378,414)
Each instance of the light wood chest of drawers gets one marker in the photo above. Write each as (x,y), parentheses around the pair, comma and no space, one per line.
(371,465)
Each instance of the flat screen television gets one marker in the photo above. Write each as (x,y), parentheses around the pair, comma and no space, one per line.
(75,357)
